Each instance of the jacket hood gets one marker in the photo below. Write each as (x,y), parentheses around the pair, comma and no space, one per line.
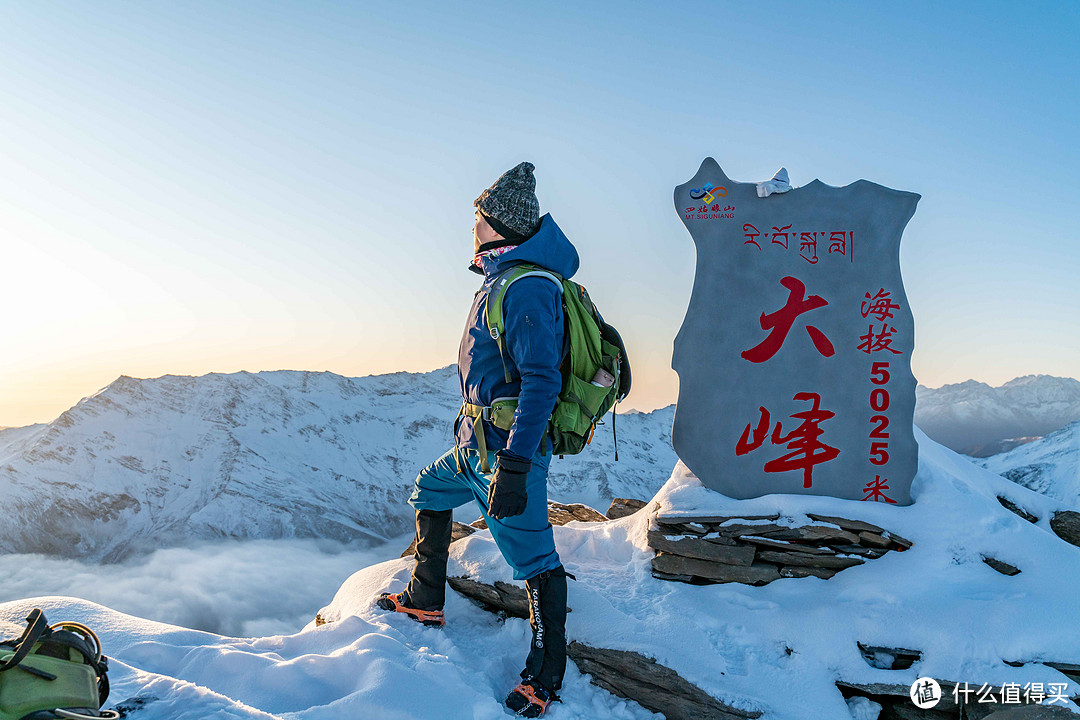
(548,247)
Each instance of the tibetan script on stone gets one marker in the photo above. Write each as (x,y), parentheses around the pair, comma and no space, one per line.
(794,358)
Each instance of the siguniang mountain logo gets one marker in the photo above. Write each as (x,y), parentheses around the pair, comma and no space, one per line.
(708,193)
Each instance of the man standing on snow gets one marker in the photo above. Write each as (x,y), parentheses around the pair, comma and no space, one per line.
(502,440)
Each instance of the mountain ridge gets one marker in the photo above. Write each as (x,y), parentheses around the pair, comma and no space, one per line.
(149,463)
(976,419)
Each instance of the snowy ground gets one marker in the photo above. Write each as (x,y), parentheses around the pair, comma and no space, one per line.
(1049,465)
(731,640)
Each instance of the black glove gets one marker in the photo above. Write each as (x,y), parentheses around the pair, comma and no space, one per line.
(506,494)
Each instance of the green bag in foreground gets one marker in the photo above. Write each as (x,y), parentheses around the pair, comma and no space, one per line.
(595,368)
(53,673)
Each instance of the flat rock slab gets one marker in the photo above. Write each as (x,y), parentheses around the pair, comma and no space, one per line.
(806,560)
(693,547)
(500,597)
(855,526)
(755,574)
(653,686)
(1013,507)
(874,539)
(1002,567)
(822,534)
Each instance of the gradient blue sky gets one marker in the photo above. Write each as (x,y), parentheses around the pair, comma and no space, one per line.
(192,187)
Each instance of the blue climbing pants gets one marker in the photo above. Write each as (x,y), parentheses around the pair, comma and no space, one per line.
(525,540)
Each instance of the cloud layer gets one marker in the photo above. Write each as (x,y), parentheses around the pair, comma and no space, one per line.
(244,589)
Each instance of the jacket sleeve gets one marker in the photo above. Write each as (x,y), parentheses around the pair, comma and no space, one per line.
(533,318)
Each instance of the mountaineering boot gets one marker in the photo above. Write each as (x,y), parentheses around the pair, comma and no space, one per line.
(425,594)
(546,663)
(530,699)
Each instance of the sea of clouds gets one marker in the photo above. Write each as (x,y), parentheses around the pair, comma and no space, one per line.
(252,588)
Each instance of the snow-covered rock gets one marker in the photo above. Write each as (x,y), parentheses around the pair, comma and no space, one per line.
(151,463)
(976,419)
(1050,465)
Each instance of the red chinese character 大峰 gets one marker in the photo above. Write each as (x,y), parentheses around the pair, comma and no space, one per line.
(875,490)
(804,442)
(779,323)
(806,448)
(880,305)
(882,340)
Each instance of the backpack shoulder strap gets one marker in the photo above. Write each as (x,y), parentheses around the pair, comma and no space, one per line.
(35,628)
(494,312)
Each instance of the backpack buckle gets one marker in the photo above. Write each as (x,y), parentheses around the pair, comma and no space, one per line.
(485,413)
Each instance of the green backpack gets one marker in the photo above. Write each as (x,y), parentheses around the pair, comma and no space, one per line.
(53,673)
(589,346)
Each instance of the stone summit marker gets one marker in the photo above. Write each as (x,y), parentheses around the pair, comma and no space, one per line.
(794,358)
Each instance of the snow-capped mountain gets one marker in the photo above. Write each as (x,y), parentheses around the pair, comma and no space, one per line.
(978,420)
(145,464)
(1050,465)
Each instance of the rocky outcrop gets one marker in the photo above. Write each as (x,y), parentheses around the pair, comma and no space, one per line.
(655,687)
(1013,507)
(627,674)
(622,507)
(1066,525)
(757,549)
(560,514)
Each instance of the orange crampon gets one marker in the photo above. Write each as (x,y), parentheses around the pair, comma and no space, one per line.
(432,618)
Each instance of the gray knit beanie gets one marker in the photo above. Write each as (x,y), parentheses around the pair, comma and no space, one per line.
(510,205)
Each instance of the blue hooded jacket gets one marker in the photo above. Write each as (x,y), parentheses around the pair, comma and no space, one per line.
(533,336)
